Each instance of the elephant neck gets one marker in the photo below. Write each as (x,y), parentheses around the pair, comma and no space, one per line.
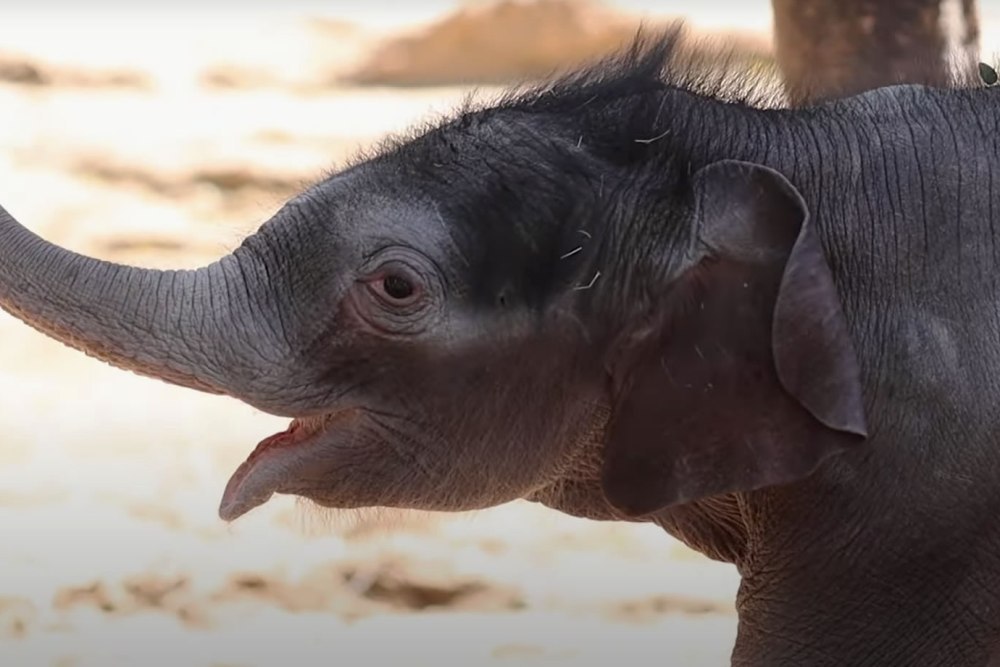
(574,486)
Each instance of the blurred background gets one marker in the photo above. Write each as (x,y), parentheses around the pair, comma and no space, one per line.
(160,137)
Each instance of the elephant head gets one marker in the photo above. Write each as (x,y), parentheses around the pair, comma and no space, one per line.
(530,300)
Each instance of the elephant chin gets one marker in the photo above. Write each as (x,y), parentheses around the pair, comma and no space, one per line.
(281,462)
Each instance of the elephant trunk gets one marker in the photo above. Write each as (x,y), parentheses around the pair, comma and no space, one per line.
(205,329)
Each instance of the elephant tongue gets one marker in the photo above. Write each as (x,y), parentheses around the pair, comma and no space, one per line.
(266,469)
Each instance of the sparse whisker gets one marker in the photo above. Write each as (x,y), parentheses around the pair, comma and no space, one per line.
(590,284)
(653,139)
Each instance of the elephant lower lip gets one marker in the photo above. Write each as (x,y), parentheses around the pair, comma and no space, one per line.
(271,464)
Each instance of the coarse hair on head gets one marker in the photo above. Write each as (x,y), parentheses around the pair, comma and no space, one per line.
(654,61)
(627,82)
(629,79)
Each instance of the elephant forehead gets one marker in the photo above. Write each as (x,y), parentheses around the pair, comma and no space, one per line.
(492,243)
(363,216)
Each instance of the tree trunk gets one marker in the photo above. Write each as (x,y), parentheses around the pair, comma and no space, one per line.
(835,48)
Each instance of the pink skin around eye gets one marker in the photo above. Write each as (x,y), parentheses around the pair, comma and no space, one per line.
(377,302)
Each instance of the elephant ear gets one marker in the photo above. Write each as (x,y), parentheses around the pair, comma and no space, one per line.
(750,377)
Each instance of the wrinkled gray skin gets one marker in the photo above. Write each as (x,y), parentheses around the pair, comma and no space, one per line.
(775,333)
(836,48)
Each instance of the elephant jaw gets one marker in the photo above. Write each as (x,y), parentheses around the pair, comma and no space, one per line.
(273,465)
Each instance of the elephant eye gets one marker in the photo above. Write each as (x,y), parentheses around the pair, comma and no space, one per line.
(397,287)
(396,296)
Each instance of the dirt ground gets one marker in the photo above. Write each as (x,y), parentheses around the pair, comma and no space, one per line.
(161,141)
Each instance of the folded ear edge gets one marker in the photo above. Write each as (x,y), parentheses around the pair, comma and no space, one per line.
(806,275)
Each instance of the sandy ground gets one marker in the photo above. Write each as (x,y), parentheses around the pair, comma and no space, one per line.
(161,141)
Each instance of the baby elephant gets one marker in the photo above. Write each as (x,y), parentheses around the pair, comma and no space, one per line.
(630,294)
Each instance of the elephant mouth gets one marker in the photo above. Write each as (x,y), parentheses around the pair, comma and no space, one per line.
(273,465)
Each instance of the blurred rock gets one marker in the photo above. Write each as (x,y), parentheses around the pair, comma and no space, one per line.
(17,616)
(24,70)
(498,43)
(223,177)
(14,70)
(515,40)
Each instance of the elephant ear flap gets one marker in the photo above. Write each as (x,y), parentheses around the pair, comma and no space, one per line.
(748,377)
